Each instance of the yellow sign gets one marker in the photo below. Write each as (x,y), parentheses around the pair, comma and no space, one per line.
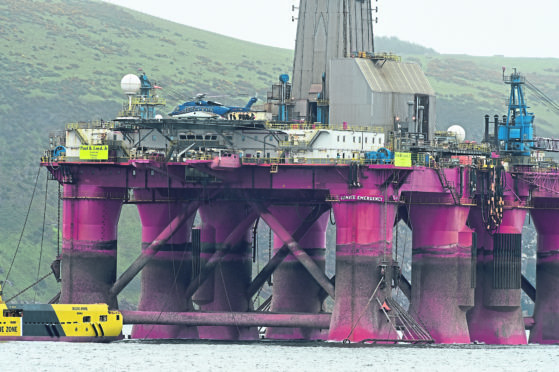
(91,152)
(11,327)
(402,159)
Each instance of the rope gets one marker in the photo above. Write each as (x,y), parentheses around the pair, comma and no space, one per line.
(31,286)
(42,232)
(363,311)
(58,227)
(176,270)
(24,224)
(227,297)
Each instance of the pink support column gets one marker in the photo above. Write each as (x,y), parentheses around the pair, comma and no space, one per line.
(294,288)
(166,277)
(89,247)
(497,315)
(546,310)
(363,247)
(441,258)
(226,288)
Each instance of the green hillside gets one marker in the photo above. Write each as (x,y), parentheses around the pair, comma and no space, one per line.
(62,61)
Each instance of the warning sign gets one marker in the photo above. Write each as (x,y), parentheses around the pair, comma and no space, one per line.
(11,327)
(402,159)
(92,152)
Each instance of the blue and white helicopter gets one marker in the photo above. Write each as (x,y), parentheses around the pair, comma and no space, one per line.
(205,109)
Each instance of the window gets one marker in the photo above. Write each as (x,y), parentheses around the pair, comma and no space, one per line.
(102,318)
(13,313)
(338,138)
(344,139)
(154,138)
(366,139)
(353,139)
(86,319)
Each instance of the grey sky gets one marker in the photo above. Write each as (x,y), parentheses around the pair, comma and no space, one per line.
(514,28)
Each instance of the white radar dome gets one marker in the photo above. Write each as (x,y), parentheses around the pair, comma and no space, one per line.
(458,131)
(130,84)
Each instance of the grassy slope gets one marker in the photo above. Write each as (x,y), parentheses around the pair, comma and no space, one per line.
(62,61)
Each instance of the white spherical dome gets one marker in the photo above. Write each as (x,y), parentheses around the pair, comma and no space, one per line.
(130,84)
(458,131)
(158,117)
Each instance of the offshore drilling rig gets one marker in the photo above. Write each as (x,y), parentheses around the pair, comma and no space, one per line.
(350,139)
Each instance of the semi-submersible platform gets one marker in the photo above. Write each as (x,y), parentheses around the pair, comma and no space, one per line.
(350,139)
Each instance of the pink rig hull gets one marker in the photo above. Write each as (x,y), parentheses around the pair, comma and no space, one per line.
(546,311)
(441,293)
(497,315)
(294,289)
(364,201)
(166,277)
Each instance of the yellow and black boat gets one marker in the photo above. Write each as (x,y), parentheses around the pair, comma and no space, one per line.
(64,322)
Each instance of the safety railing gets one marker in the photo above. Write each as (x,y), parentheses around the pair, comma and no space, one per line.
(318,126)
(99,124)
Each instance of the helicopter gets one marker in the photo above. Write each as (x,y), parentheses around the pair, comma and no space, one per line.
(201,108)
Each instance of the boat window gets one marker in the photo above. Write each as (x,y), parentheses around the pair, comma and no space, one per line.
(182,136)
(214,137)
(86,319)
(199,137)
(118,317)
(102,318)
(190,137)
(13,313)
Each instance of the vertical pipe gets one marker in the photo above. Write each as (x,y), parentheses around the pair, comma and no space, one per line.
(486,133)
(232,275)
(363,246)
(294,289)
(439,300)
(546,310)
(496,132)
(497,315)
(166,276)
(89,246)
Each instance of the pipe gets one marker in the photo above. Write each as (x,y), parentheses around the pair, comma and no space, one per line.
(496,132)
(240,319)
(486,134)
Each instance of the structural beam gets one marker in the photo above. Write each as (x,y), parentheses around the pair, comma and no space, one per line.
(210,266)
(294,248)
(240,319)
(528,288)
(277,259)
(152,250)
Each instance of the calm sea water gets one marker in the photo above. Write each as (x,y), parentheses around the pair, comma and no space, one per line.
(132,355)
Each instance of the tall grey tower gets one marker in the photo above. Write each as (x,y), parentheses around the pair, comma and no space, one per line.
(327,30)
